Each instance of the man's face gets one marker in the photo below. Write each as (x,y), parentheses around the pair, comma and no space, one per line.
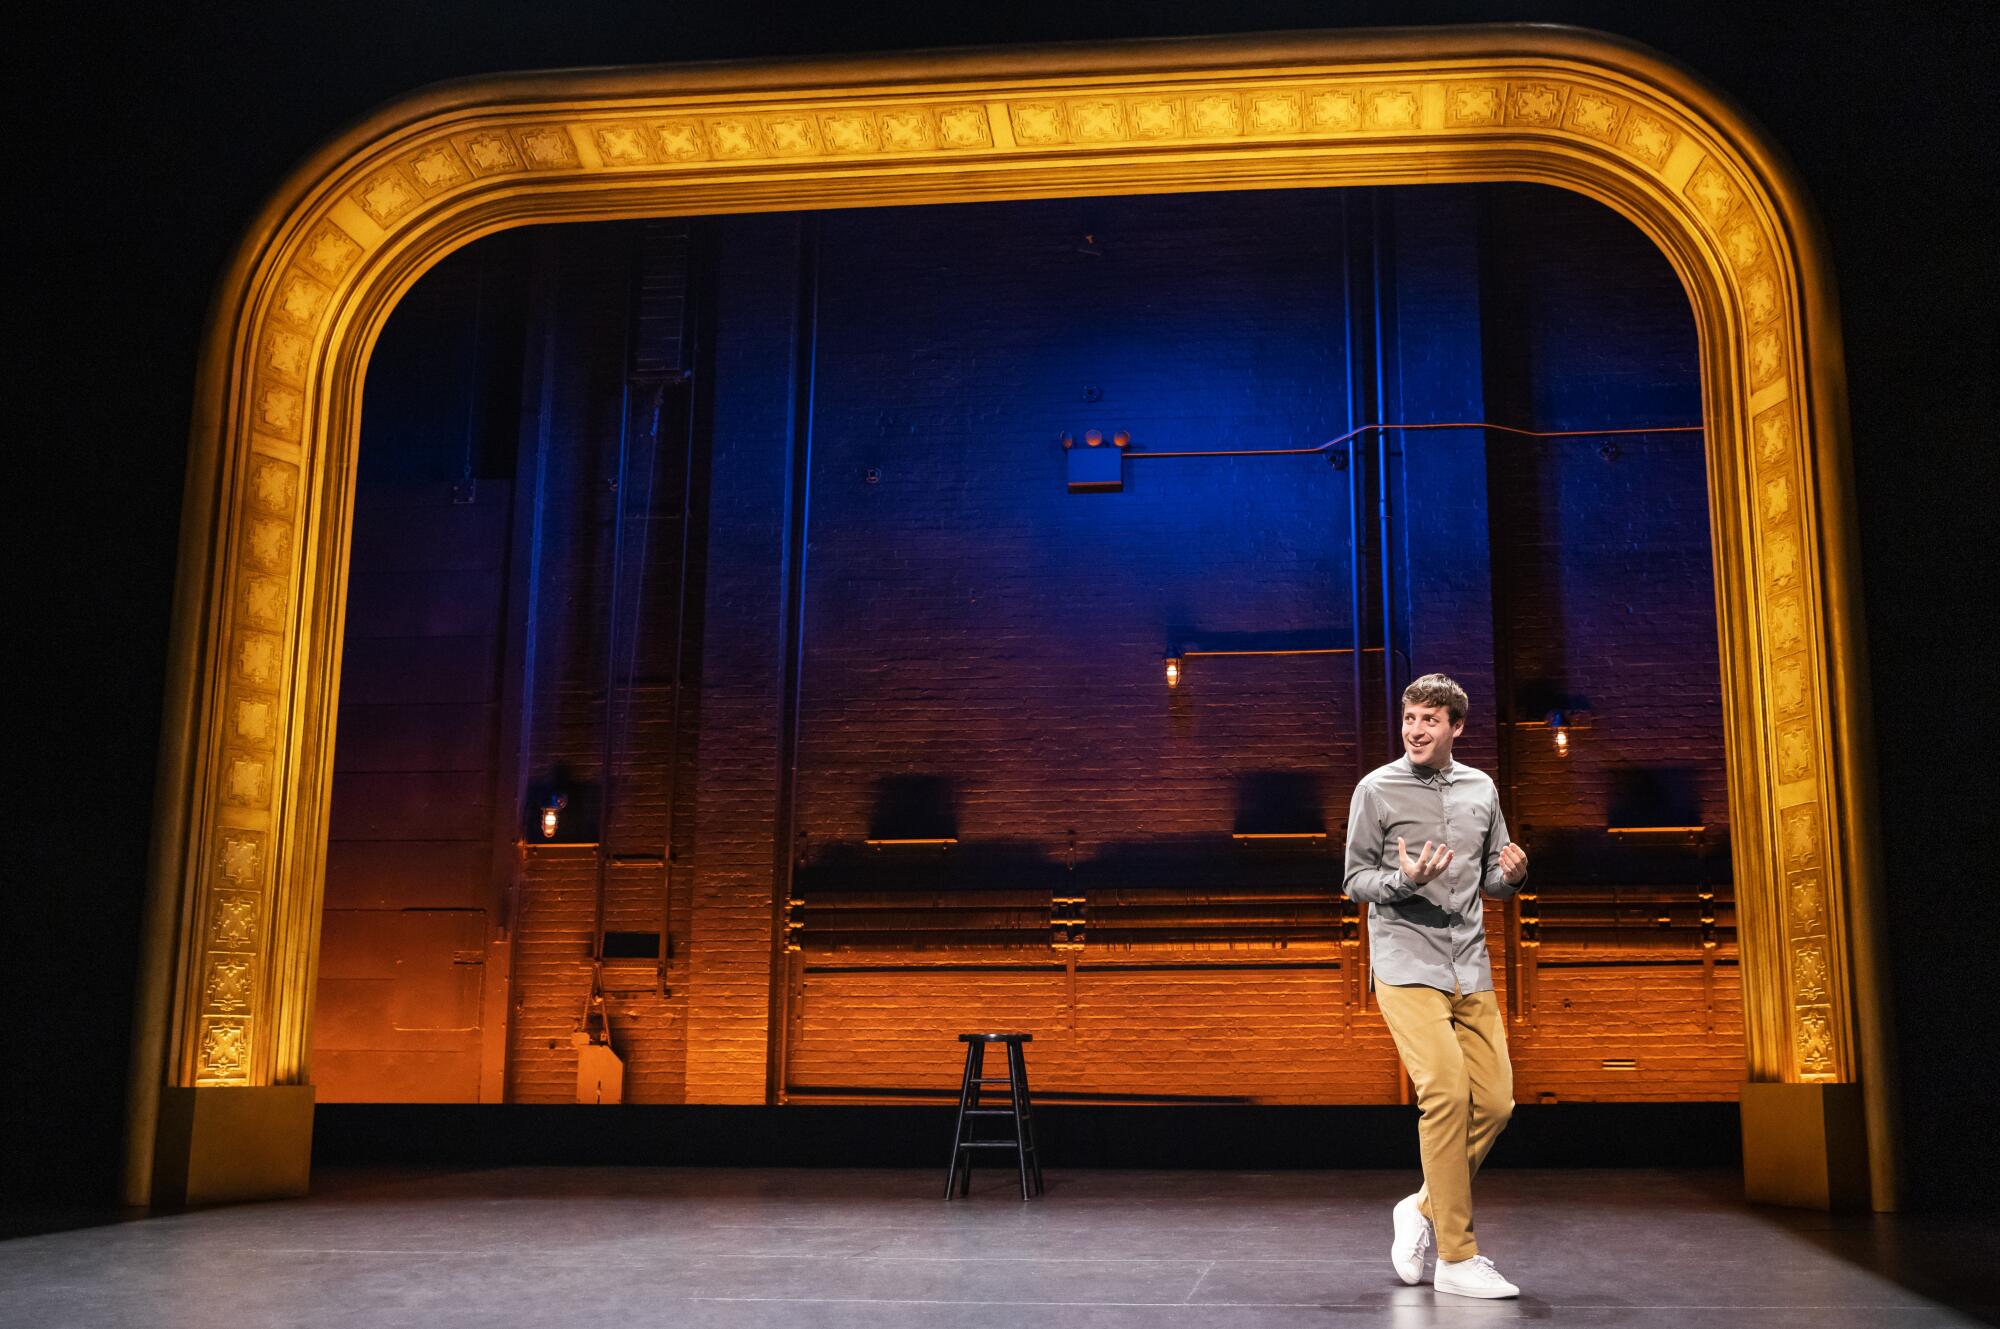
(1427,734)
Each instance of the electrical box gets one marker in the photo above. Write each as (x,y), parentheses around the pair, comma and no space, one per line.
(1098,470)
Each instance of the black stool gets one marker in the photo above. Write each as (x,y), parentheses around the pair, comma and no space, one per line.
(1023,1141)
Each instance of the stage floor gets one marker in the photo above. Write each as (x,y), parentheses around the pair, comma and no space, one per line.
(700,1248)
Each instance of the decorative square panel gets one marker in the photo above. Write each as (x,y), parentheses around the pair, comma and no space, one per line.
(622,145)
(227,991)
(1795,750)
(1038,122)
(1811,980)
(791,135)
(680,140)
(1805,903)
(964,127)
(1767,356)
(241,861)
(1096,120)
(1393,108)
(285,353)
(489,152)
(1798,832)
(1815,1033)
(246,782)
(848,131)
(1774,436)
(735,139)
(1594,115)
(385,196)
(851,131)
(1472,104)
(1536,103)
(1789,691)
(546,147)
(223,1051)
(259,656)
(1776,498)
(1215,113)
(1744,244)
(1760,296)
(274,486)
(1336,108)
(232,921)
(436,169)
(301,300)
(1649,140)
(1711,192)
(906,130)
(267,544)
(329,252)
(1788,623)
(255,722)
(280,410)
(1155,117)
(1274,113)
(1781,558)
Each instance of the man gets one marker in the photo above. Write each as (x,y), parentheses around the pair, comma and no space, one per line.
(1431,974)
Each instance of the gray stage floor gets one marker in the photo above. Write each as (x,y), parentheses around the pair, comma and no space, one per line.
(723,1248)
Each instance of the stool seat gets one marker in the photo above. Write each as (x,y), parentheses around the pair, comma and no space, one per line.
(958,1181)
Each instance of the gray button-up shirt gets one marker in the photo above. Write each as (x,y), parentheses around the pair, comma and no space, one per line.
(1433,935)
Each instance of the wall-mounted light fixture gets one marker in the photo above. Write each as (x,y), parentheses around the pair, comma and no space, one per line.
(552,814)
(1177,662)
(1094,468)
(1563,726)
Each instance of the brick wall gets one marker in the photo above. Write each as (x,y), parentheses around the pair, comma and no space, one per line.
(982,652)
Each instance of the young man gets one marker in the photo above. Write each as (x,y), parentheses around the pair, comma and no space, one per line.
(1431,975)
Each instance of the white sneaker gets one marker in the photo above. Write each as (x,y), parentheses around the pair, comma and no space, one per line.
(1414,1242)
(1473,1278)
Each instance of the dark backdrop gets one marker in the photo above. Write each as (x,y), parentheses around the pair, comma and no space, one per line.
(142,147)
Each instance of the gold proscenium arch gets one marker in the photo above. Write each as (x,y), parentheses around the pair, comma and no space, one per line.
(226,987)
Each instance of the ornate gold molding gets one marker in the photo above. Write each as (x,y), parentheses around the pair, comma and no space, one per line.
(241,832)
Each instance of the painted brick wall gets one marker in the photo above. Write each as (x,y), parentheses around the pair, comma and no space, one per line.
(970,622)
(576,408)
(1435,361)
(731,926)
(1604,570)
(982,651)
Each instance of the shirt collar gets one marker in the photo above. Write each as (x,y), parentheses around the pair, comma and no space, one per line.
(1429,776)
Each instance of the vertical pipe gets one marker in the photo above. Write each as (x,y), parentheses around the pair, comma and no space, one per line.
(608,782)
(798,490)
(1356,520)
(1391,694)
(692,346)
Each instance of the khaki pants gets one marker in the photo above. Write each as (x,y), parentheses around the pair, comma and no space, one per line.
(1455,1048)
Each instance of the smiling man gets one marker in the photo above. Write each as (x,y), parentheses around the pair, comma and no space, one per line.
(1430,971)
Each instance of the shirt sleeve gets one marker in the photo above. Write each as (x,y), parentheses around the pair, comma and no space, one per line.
(1368,881)
(1491,881)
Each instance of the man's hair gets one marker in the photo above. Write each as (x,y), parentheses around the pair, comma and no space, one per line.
(1437,690)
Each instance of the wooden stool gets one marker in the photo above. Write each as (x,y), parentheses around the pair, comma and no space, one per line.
(959,1179)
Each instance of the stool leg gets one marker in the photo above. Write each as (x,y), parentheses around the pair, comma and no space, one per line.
(978,1073)
(1028,1122)
(1017,1074)
(959,1153)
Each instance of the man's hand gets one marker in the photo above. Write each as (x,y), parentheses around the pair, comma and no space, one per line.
(1513,864)
(1429,863)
